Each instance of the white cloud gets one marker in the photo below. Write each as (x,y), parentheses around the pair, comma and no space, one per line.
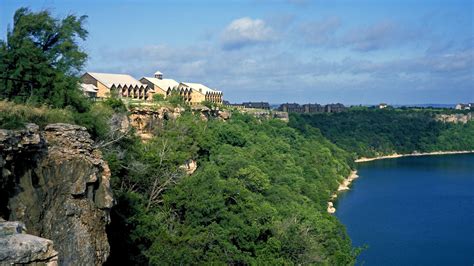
(246,31)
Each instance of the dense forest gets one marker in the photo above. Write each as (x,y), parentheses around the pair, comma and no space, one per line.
(372,132)
(259,195)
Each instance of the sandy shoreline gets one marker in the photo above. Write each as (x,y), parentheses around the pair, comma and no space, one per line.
(395,155)
(342,186)
(347,182)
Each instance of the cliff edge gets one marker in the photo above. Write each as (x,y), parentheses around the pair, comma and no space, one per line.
(57,183)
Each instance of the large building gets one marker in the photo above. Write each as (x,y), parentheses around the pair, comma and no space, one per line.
(160,85)
(334,108)
(124,85)
(466,106)
(313,108)
(291,108)
(102,85)
(196,93)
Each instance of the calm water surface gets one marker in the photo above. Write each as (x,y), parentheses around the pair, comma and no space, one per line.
(412,211)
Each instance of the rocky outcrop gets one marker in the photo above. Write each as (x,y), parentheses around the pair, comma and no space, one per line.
(16,247)
(283,116)
(267,114)
(58,184)
(215,112)
(146,119)
(455,118)
(331,208)
(190,166)
(342,187)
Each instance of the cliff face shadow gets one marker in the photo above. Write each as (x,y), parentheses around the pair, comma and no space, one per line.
(15,164)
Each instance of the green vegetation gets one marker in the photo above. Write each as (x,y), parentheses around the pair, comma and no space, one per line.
(259,195)
(39,62)
(40,59)
(96,119)
(175,99)
(115,103)
(159,100)
(14,116)
(211,105)
(158,97)
(370,133)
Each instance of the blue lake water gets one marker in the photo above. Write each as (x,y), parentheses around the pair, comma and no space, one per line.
(412,211)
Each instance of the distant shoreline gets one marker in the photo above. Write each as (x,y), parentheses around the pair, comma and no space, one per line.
(395,155)
(347,181)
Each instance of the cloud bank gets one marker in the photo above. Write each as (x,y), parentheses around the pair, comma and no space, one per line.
(313,60)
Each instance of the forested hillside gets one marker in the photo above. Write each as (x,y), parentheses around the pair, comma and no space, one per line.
(373,132)
(259,195)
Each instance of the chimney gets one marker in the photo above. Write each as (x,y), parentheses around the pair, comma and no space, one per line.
(158,75)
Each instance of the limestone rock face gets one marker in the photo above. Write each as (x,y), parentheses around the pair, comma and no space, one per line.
(224,115)
(283,116)
(455,118)
(206,113)
(58,184)
(146,119)
(189,166)
(19,248)
(267,114)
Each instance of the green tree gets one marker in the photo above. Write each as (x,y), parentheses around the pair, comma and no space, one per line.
(158,97)
(373,132)
(44,52)
(175,99)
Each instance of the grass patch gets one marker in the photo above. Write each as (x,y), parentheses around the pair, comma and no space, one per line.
(15,116)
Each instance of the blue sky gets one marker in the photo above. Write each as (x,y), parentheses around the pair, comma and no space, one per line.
(354,52)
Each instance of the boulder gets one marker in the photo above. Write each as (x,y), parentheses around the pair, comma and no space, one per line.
(19,248)
(189,166)
(224,115)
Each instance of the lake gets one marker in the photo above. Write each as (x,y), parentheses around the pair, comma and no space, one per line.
(412,211)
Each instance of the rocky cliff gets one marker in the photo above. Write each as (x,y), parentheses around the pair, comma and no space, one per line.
(57,183)
(455,118)
(266,114)
(146,119)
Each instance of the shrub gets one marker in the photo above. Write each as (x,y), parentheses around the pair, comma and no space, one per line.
(209,104)
(96,120)
(158,97)
(175,99)
(116,104)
